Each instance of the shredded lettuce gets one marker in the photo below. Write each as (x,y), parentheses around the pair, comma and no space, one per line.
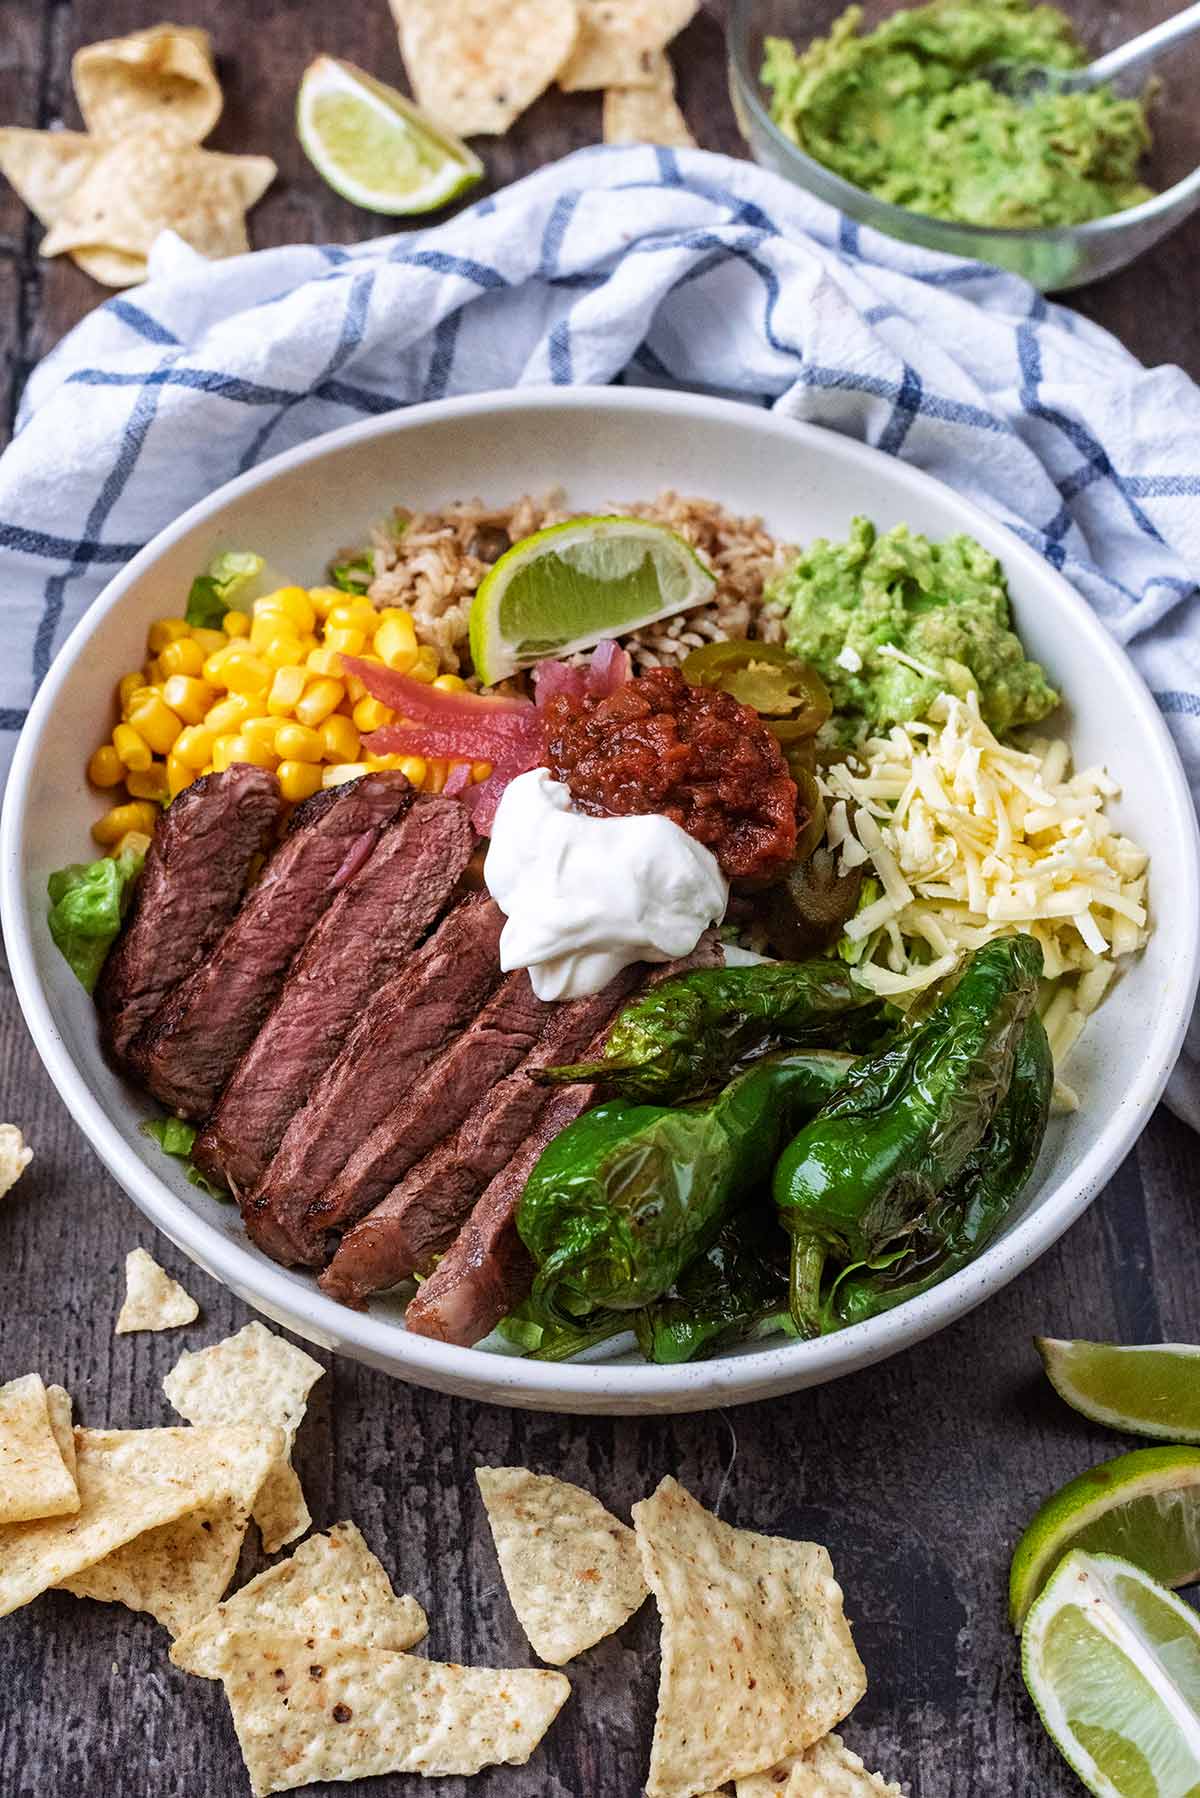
(853,953)
(213,592)
(176,1137)
(354,574)
(87,902)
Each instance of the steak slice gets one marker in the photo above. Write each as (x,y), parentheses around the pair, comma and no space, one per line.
(423,1213)
(504,1032)
(193,1043)
(410,1020)
(361,941)
(195,874)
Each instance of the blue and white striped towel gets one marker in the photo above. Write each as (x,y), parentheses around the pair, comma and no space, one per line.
(642,265)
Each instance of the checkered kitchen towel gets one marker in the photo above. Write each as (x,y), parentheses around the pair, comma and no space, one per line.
(641,265)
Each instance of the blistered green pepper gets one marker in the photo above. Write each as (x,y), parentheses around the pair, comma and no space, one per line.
(965,1217)
(856,1182)
(686,1035)
(736,1291)
(626,1196)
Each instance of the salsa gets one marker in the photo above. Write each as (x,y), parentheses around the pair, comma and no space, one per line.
(907,112)
(695,754)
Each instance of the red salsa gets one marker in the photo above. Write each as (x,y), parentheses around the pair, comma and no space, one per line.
(695,754)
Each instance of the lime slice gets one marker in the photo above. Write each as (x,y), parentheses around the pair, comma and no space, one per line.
(376,148)
(1144,1506)
(565,588)
(1112,1662)
(1150,1391)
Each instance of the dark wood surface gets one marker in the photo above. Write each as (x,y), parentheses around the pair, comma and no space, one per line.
(919,1474)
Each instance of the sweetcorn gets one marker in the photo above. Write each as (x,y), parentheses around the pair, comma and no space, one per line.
(268,688)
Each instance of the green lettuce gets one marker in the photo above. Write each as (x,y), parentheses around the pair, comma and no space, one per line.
(213,593)
(176,1137)
(853,953)
(87,902)
(354,574)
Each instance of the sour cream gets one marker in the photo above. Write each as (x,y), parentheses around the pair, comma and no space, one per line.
(584,897)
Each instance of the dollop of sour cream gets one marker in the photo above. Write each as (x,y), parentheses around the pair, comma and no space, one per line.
(586,896)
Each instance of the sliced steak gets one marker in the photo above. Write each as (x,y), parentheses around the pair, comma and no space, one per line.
(362,940)
(501,1036)
(412,1017)
(196,871)
(193,1043)
(423,1213)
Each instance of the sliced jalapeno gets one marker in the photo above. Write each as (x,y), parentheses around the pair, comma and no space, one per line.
(791,697)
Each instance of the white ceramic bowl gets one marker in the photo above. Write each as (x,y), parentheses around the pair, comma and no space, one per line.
(604,445)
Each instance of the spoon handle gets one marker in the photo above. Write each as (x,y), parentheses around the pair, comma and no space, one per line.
(1143,49)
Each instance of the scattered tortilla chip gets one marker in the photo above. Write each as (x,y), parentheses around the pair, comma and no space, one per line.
(647,115)
(177,1572)
(476,66)
(58,1405)
(305,1712)
(14,1155)
(619,42)
(153,1300)
(35,1480)
(251,1377)
(129,1481)
(162,76)
(757,1658)
(826,1770)
(572,1570)
(138,186)
(332,1589)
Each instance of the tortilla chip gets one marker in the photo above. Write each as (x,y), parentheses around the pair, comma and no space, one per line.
(45,167)
(647,115)
(14,1156)
(129,1481)
(151,182)
(476,66)
(58,1406)
(332,1589)
(153,1300)
(35,1480)
(307,1711)
(253,1377)
(572,1570)
(619,42)
(177,1572)
(826,1770)
(757,1658)
(162,76)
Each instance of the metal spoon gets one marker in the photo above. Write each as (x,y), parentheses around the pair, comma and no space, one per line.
(1121,67)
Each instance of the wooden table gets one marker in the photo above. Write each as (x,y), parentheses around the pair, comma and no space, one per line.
(919,1475)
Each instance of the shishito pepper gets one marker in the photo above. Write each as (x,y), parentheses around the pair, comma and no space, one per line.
(965,1217)
(686,1035)
(624,1198)
(736,1291)
(858,1180)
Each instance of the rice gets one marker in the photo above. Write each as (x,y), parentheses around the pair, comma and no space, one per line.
(432,562)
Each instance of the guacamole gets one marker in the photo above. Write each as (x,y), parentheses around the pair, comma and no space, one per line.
(906,113)
(943,605)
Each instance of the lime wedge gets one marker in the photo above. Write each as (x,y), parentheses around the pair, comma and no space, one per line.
(1150,1391)
(565,588)
(376,148)
(1144,1506)
(1112,1662)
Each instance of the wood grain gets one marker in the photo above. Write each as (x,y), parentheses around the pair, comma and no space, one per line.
(919,1474)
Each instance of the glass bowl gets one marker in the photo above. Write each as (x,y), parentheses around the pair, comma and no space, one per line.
(1052,258)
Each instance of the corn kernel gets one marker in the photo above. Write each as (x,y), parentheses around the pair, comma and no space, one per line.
(286,689)
(266,625)
(134,842)
(230,750)
(284,650)
(426,665)
(354,686)
(106,769)
(209,641)
(350,642)
(228,715)
(133,749)
(376,762)
(340,739)
(297,743)
(193,748)
(396,642)
(354,615)
(324,661)
(294,604)
(414,769)
(179,774)
(183,656)
(188,698)
(236,624)
(338,773)
(299,780)
(450,683)
(127,686)
(247,674)
(323,600)
(215,666)
(154,720)
(480,771)
(164,631)
(435,776)
(261,732)
(150,785)
(139,814)
(371,714)
(319,700)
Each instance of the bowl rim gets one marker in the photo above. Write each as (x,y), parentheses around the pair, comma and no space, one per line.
(596,1385)
(887,216)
